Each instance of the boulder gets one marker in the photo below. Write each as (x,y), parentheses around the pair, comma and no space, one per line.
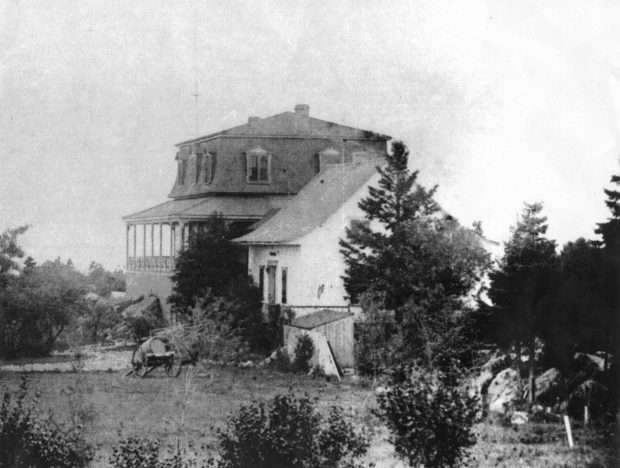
(549,386)
(519,417)
(503,391)
(590,361)
(479,383)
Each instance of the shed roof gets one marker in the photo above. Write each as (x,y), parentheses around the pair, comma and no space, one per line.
(232,207)
(316,202)
(321,317)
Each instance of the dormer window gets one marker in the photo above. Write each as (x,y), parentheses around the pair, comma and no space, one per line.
(209,163)
(183,167)
(199,158)
(258,166)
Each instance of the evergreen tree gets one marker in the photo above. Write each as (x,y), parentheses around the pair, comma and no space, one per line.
(207,266)
(417,261)
(610,287)
(372,256)
(521,287)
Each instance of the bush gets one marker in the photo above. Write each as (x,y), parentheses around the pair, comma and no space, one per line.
(29,440)
(430,420)
(289,433)
(136,452)
(304,350)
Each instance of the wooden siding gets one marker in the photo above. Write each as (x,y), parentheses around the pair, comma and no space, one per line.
(339,334)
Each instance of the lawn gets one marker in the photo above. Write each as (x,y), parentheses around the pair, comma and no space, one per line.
(152,407)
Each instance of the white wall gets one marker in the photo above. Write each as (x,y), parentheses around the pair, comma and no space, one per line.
(315,266)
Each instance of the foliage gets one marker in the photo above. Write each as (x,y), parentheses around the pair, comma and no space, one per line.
(304,350)
(289,433)
(29,440)
(140,323)
(98,320)
(416,262)
(37,306)
(522,286)
(10,252)
(208,265)
(210,270)
(430,420)
(104,281)
(378,339)
(417,253)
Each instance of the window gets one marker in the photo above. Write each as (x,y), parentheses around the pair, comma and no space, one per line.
(199,158)
(261,282)
(284,279)
(183,171)
(258,166)
(209,159)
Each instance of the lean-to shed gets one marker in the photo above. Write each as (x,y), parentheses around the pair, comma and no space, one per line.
(336,326)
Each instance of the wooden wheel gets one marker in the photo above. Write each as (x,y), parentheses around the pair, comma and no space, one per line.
(173,367)
(139,365)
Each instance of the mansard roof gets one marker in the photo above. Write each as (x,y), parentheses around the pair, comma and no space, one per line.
(231,207)
(314,204)
(291,125)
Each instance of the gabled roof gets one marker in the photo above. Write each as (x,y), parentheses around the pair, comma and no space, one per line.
(292,124)
(316,202)
(318,318)
(231,207)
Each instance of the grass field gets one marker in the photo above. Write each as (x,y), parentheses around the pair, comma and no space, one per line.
(152,407)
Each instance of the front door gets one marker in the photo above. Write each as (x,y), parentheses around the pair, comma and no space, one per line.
(271,284)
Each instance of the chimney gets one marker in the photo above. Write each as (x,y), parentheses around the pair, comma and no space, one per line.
(253,120)
(303,110)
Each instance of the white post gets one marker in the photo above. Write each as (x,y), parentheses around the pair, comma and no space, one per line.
(568,431)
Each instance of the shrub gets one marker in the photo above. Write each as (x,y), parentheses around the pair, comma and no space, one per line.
(430,420)
(136,452)
(289,433)
(29,440)
(304,350)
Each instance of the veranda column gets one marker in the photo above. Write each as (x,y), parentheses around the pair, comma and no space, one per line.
(161,242)
(127,248)
(135,235)
(172,234)
(152,240)
(144,244)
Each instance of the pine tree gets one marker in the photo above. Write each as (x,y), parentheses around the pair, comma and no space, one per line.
(414,256)
(371,256)
(610,233)
(522,285)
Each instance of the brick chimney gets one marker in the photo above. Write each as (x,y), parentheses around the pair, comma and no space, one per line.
(303,110)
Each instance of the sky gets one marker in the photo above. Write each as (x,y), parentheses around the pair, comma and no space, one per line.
(500,102)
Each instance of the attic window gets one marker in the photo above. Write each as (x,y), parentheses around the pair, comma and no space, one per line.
(199,158)
(208,161)
(258,166)
(183,167)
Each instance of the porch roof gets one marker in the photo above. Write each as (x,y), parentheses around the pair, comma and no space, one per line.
(231,207)
(316,202)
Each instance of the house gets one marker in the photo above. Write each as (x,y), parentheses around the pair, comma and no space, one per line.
(294,256)
(250,174)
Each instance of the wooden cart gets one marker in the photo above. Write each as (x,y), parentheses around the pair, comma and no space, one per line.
(156,352)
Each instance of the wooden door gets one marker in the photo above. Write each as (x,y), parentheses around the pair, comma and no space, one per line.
(271,284)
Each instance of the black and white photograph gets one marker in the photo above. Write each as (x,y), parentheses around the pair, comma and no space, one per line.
(309,234)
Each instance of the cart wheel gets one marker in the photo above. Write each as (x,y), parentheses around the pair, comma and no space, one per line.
(139,367)
(173,368)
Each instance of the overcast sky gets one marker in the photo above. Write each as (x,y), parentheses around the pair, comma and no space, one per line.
(499,102)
